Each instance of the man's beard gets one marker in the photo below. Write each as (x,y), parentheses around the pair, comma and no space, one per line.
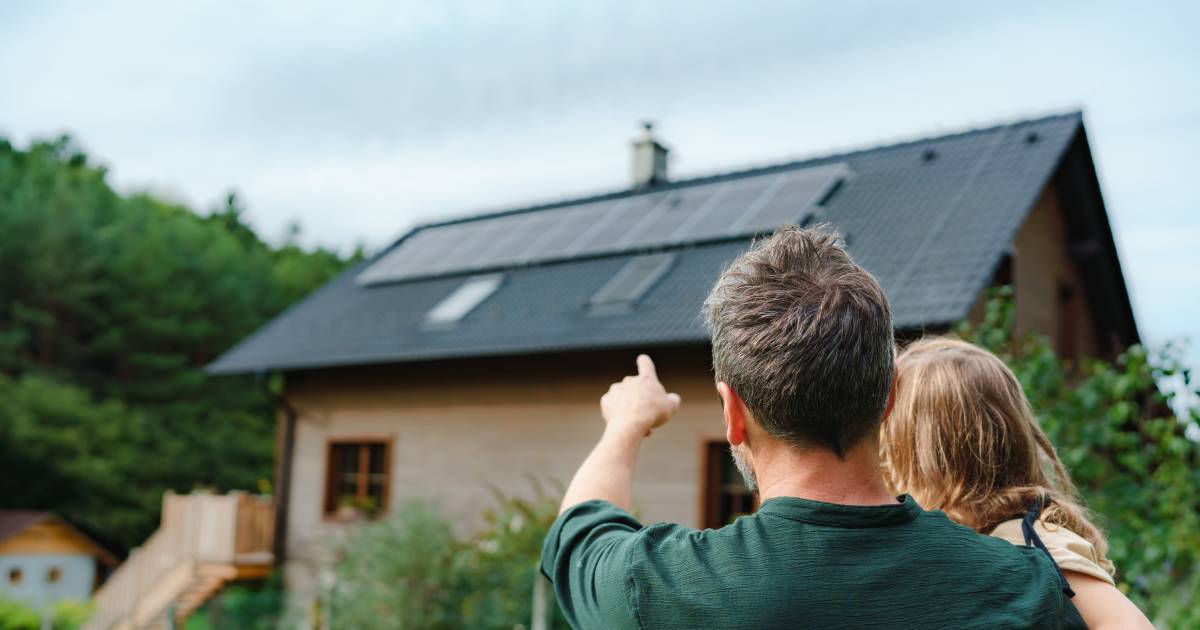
(744,467)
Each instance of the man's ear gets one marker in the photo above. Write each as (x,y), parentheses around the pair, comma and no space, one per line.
(735,414)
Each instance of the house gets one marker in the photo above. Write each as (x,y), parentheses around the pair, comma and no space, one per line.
(43,559)
(471,353)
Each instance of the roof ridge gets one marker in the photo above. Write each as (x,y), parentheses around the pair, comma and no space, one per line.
(763,169)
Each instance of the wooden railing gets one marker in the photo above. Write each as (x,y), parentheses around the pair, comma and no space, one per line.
(198,530)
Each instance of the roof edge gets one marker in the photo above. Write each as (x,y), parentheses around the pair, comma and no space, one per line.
(764,169)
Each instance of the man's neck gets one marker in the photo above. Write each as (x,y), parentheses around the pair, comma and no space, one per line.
(820,475)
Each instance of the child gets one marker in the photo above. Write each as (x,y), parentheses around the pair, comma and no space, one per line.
(960,437)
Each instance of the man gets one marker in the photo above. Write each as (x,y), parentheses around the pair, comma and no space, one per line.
(803,354)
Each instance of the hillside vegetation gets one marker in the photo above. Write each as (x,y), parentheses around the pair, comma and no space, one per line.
(110,307)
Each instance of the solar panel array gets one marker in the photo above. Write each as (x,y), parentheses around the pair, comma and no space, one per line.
(632,282)
(723,209)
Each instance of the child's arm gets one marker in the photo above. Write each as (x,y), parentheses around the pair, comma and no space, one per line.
(1102,605)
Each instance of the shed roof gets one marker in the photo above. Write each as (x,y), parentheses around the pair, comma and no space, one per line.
(14,522)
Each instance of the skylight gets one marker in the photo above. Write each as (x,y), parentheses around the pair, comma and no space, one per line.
(633,281)
(464,299)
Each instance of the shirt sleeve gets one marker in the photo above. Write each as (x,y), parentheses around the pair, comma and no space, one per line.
(1070,551)
(588,556)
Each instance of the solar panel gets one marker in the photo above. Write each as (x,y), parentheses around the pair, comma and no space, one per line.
(623,290)
(794,199)
(659,218)
(579,225)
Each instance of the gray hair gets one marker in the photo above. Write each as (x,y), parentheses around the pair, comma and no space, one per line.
(804,335)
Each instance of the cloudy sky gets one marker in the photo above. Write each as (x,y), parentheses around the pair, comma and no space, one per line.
(359,119)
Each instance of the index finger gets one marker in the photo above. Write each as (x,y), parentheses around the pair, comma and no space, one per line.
(646,366)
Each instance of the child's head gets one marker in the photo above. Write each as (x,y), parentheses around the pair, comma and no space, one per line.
(962,438)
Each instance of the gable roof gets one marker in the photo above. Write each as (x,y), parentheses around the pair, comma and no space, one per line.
(14,522)
(930,218)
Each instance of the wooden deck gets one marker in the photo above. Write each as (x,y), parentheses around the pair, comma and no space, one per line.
(204,542)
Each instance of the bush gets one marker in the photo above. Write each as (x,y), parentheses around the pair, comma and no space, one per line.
(502,567)
(1128,452)
(246,606)
(412,571)
(66,615)
(399,573)
(18,616)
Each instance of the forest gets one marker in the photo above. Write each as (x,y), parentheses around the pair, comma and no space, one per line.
(111,305)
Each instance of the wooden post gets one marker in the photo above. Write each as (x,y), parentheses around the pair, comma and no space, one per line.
(133,560)
(540,619)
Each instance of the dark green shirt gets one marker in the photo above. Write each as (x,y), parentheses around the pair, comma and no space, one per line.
(796,564)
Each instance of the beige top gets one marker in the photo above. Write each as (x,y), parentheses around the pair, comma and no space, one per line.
(1071,551)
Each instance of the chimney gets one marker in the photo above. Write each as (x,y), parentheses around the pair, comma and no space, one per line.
(649,159)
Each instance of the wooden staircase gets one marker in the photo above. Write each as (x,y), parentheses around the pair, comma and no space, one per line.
(205,542)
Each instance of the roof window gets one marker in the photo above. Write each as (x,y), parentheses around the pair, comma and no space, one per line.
(464,299)
(633,281)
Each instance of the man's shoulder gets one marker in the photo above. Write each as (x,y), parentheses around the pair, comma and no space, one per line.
(955,538)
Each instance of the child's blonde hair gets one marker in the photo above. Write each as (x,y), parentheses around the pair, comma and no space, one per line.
(961,438)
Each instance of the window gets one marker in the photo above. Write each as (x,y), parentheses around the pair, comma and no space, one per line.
(463,300)
(726,496)
(631,283)
(14,576)
(357,478)
(54,575)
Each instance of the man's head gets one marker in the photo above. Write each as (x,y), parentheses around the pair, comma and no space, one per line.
(803,336)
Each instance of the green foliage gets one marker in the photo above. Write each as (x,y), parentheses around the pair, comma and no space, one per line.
(1128,452)
(412,571)
(69,615)
(110,307)
(18,616)
(399,573)
(255,606)
(66,615)
(89,458)
(503,563)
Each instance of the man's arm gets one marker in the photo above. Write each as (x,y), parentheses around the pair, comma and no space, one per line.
(631,409)
(592,548)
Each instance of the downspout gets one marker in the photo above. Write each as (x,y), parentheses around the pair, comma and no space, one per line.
(283,470)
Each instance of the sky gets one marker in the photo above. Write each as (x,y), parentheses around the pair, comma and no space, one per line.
(358,120)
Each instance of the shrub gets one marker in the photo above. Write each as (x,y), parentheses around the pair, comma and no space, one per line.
(1128,450)
(65,615)
(412,571)
(398,573)
(18,616)
(249,606)
(502,566)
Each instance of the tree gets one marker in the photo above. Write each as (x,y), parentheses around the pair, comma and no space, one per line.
(110,307)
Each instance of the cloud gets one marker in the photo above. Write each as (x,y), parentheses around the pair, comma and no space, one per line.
(359,121)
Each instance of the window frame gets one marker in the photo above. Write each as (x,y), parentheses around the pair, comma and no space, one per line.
(329,500)
(710,482)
